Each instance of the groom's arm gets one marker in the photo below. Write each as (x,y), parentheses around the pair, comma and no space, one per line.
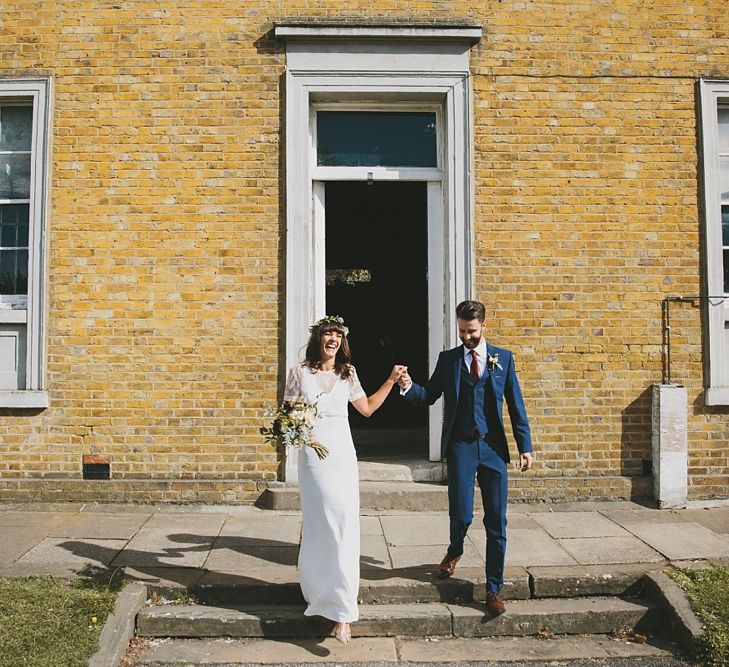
(430,392)
(517,410)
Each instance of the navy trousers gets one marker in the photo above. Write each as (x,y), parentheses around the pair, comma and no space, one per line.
(469,461)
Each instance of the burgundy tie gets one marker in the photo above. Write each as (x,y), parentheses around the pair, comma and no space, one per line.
(474,366)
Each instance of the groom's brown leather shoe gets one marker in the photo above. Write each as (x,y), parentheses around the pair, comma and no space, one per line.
(447,566)
(494,605)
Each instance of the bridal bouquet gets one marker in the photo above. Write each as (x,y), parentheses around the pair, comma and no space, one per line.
(293,426)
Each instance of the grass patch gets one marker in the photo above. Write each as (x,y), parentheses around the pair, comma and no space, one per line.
(708,592)
(53,622)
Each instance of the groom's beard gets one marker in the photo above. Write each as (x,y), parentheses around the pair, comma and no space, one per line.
(472,343)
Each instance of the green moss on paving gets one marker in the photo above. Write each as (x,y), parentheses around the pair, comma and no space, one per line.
(51,622)
(708,592)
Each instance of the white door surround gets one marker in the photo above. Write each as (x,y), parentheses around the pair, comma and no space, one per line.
(382,67)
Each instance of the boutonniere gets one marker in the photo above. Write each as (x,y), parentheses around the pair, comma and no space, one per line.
(493,362)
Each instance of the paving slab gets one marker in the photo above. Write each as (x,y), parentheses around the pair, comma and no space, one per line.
(600,550)
(370,525)
(626,518)
(579,524)
(682,540)
(374,552)
(416,531)
(533,546)
(101,525)
(716,519)
(172,540)
(74,553)
(260,531)
(248,559)
(507,649)
(268,651)
(46,521)
(23,540)
(423,556)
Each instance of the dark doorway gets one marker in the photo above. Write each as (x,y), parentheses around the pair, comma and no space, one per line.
(376,262)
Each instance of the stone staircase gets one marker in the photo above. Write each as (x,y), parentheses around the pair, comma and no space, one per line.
(548,601)
(235,617)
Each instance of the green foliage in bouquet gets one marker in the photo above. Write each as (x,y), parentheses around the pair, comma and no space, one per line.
(293,426)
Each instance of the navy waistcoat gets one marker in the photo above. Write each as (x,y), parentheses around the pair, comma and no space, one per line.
(470,417)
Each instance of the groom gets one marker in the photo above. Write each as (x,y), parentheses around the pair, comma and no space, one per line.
(474,379)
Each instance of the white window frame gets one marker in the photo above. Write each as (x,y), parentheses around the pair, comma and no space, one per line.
(16,310)
(712,94)
(382,67)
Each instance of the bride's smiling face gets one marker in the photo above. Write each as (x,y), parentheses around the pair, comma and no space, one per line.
(331,341)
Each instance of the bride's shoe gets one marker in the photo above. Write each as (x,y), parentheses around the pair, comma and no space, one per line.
(343,633)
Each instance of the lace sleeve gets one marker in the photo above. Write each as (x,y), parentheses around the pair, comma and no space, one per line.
(293,384)
(355,389)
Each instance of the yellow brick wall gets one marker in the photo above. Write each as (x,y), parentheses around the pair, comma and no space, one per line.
(167,215)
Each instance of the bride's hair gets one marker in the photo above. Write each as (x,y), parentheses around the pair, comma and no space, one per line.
(312,356)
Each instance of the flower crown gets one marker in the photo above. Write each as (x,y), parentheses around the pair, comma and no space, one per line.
(330,319)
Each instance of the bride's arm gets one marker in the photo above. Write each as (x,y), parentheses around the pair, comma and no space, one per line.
(368,405)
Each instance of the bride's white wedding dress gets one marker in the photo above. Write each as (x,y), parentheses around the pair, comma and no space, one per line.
(329,489)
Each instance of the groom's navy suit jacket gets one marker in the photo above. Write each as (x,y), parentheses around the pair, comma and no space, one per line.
(501,383)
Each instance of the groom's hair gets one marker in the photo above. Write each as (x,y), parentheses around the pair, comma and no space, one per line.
(471,310)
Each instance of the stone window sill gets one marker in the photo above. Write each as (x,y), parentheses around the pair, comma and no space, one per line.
(24,399)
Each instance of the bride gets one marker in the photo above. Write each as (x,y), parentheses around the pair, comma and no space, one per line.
(329,488)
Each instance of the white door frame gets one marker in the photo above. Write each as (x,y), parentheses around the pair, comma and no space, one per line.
(320,69)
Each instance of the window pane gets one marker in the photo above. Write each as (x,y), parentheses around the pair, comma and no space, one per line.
(14,176)
(14,225)
(724,178)
(373,138)
(15,128)
(725,225)
(724,130)
(726,271)
(13,271)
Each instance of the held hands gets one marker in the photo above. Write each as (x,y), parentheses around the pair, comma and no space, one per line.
(401,376)
(397,373)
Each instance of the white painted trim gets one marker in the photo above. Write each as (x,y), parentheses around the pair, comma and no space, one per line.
(39,91)
(378,174)
(436,307)
(376,73)
(24,399)
(716,311)
(467,33)
(8,316)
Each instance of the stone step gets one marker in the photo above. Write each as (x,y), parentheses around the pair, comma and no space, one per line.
(523,618)
(412,585)
(373,497)
(401,469)
(581,650)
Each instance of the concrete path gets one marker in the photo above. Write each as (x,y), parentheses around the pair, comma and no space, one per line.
(175,547)
(181,544)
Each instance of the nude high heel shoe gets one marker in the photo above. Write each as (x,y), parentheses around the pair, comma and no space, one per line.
(343,633)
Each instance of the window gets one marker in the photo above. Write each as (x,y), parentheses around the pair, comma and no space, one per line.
(715,154)
(376,139)
(723,135)
(23,169)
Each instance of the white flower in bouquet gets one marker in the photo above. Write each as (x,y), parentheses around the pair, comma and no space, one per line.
(293,426)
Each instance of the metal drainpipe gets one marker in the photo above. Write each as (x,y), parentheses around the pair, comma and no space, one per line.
(667,326)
